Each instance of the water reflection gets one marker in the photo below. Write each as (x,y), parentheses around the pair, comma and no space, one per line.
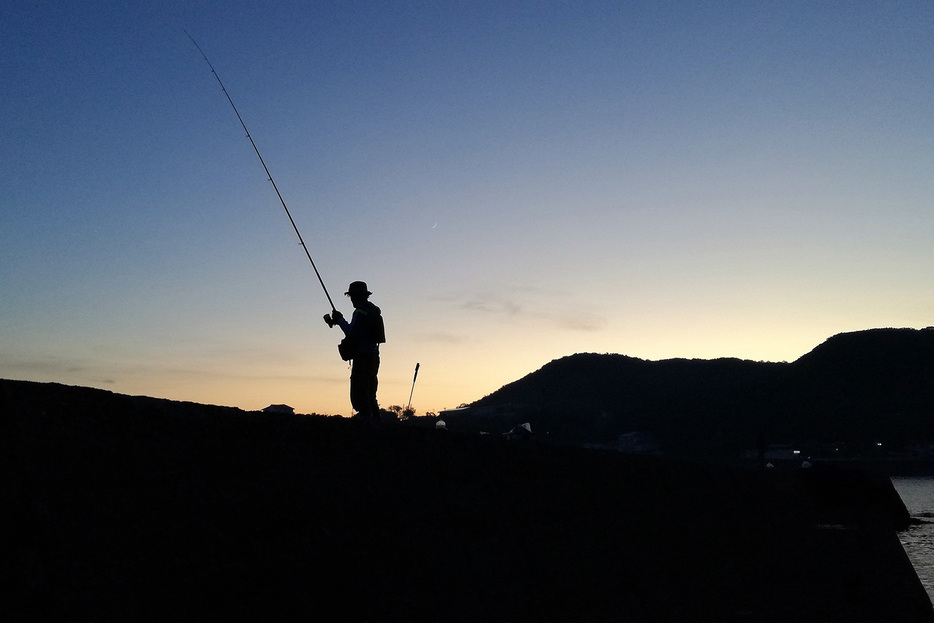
(918,541)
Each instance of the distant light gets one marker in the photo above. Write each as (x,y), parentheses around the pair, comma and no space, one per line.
(879,444)
(796,451)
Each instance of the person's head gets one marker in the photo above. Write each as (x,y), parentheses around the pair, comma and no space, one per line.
(358,292)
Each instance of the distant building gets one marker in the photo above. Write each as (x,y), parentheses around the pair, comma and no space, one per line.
(777,452)
(522,432)
(637,442)
(281,409)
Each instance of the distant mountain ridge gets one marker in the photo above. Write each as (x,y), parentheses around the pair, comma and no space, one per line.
(859,389)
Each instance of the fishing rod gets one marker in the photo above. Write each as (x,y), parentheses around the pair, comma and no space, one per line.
(409,407)
(268,174)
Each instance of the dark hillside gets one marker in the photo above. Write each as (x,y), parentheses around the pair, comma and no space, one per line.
(893,353)
(854,390)
(134,509)
(878,385)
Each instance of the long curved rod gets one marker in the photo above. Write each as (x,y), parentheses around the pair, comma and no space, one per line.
(268,174)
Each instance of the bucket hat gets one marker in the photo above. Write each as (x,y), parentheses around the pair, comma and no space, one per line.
(357,287)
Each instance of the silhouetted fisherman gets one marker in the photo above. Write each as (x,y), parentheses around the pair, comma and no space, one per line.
(364,333)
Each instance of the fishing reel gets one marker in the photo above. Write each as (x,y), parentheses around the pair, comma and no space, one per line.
(333,319)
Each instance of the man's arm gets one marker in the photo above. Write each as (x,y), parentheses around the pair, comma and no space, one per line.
(345,326)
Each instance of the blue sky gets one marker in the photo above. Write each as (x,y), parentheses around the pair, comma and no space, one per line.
(516,181)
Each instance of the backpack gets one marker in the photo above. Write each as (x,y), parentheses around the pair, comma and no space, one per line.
(374,331)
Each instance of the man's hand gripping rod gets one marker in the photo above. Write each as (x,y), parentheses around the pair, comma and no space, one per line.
(333,318)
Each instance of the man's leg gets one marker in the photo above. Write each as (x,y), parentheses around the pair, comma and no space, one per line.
(358,393)
(374,383)
(363,383)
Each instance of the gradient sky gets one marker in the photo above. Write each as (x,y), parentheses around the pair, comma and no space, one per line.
(516,182)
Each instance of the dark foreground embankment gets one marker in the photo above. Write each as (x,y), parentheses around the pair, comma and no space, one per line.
(142,509)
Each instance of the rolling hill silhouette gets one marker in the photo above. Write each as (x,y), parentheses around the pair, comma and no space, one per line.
(853,392)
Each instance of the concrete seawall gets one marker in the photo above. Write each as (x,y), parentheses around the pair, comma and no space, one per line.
(143,509)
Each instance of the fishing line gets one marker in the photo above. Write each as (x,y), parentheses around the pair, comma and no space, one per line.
(265,168)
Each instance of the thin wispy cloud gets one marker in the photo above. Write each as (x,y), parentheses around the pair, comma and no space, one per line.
(50,366)
(492,305)
(534,304)
(439,338)
(581,322)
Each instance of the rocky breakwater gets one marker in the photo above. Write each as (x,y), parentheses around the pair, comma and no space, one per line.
(131,508)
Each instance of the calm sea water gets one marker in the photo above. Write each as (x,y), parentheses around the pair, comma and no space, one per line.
(918,541)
